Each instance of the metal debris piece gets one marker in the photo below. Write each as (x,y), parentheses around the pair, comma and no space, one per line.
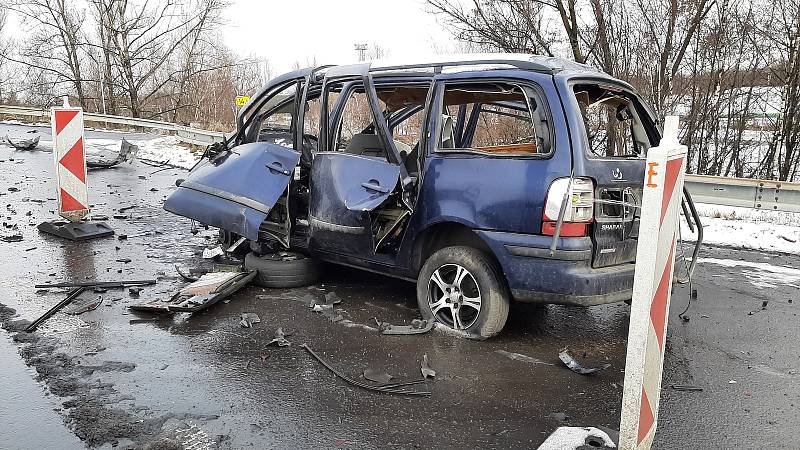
(24,144)
(248,319)
(89,284)
(686,387)
(377,376)
(329,312)
(418,326)
(577,367)
(134,291)
(280,339)
(124,260)
(425,368)
(73,294)
(80,307)
(521,357)
(397,388)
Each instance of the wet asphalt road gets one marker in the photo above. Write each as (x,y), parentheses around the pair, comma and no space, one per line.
(205,380)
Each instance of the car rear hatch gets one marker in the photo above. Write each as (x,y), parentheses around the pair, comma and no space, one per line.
(616,226)
(235,190)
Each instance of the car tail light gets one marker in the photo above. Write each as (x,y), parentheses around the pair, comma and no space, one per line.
(579,209)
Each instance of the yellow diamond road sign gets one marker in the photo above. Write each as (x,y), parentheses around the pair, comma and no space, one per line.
(242,100)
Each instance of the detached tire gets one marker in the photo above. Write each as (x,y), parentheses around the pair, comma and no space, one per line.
(463,289)
(283,269)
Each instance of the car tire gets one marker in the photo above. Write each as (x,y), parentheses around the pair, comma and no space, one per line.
(483,286)
(283,269)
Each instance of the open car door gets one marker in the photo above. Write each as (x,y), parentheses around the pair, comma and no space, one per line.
(236,189)
(347,186)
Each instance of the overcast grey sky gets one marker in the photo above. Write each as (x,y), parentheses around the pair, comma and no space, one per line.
(299,30)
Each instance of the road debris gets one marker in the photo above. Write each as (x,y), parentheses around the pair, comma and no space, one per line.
(396,388)
(686,387)
(425,368)
(208,290)
(577,367)
(377,376)
(418,326)
(92,284)
(134,292)
(82,306)
(24,144)
(127,151)
(280,339)
(16,237)
(211,253)
(521,357)
(248,319)
(208,283)
(73,294)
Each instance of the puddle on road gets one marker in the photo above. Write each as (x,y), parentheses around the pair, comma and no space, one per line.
(27,416)
(759,274)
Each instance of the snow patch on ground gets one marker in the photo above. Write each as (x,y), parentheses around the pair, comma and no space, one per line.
(166,149)
(762,275)
(747,228)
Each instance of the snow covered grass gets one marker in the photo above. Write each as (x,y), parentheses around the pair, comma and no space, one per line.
(748,228)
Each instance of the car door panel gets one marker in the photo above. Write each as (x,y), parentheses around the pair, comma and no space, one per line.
(236,190)
(344,189)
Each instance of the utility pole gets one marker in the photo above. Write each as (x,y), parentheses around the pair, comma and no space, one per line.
(361,49)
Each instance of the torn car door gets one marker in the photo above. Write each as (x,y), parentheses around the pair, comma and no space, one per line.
(236,190)
(347,186)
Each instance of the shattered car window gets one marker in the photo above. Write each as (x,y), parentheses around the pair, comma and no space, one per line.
(274,120)
(491,118)
(612,123)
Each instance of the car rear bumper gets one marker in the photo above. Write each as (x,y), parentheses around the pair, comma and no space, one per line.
(567,277)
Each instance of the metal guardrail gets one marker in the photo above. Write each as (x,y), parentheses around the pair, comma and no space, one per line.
(185,134)
(745,192)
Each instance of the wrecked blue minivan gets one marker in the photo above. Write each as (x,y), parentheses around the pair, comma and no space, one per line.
(485,180)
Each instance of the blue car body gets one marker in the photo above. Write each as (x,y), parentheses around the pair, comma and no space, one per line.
(492,203)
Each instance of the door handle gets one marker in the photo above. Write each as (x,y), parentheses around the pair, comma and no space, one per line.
(374,186)
(275,166)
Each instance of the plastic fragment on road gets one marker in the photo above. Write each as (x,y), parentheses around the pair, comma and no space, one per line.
(82,306)
(207,283)
(572,438)
(425,368)
(577,367)
(376,375)
(418,326)
(127,152)
(279,339)
(211,253)
(248,319)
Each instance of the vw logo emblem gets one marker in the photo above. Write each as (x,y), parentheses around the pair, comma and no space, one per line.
(616,173)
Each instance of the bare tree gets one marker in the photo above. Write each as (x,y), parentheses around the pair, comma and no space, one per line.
(56,43)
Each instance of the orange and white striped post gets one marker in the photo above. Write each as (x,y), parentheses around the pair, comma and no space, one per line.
(652,287)
(70,162)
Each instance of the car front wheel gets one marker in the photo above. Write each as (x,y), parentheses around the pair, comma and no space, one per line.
(463,289)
